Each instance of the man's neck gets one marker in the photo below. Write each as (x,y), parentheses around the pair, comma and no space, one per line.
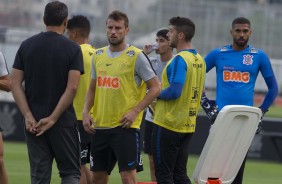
(166,56)
(183,46)
(57,29)
(235,47)
(81,41)
(117,48)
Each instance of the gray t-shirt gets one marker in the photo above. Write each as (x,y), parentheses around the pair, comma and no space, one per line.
(143,68)
(3,66)
(158,66)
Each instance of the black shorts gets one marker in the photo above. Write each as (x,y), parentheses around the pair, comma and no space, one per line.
(115,144)
(85,143)
(148,136)
(59,143)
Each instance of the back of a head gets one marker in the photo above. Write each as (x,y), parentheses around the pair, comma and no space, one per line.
(184,25)
(117,15)
(55,13)
(163,33)
(241,20)
(81,24)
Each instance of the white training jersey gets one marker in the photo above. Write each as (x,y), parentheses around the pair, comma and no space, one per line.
(3,66)
(158,66)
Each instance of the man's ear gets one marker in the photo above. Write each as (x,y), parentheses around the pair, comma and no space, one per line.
(181,35)
(65,22)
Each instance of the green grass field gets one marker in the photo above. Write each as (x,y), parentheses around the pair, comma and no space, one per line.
(16,162)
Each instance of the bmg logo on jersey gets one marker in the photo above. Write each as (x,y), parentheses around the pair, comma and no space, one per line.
(108,82)
(236,76)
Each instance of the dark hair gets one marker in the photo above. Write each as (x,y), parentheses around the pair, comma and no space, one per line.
(118,15)
(55,13)
(81,24)
(184,25)
(163,33)
(241,20)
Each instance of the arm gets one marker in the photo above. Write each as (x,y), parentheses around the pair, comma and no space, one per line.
(64,102)
(4,83)
(153,91)
(269,98)
(17,78)
(271,94)
(176,74)
(89,102)
(172,92)
(145,72)
(4,74)
(210,60)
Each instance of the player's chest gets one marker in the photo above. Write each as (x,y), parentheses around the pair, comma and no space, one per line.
(239,63)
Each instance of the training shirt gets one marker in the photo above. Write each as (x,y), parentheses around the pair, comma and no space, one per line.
(236,73)
(180,115)
(84,81)
(158,66)
(117,90)
(46,59)
(3,66)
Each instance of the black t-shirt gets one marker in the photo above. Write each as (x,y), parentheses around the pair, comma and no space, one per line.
(46,59)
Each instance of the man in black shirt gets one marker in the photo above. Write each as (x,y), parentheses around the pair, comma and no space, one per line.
(50,66)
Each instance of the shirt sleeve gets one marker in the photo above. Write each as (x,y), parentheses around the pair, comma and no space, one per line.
(176,71)
(77,61)
(210,60)
(93,72)
(3,66)
(265,66)
(18,64)
(143,67)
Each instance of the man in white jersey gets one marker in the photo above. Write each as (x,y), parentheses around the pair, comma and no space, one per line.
(158,63)
(4,85)
(120,75)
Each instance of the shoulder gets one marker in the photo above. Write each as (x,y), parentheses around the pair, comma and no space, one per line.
(87,47)
(100,51)
(223,49)
(254,50)
(131,47)
(134,51)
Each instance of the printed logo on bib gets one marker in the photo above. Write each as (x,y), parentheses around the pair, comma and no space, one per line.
(236,76)
(248,59)
(108,82)
(100,51)
(130,53)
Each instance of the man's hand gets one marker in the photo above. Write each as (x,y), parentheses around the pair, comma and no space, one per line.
(128,119)
(260,121)
(30,123)
(209,107)
(88,123)
(43,125)
(150,48)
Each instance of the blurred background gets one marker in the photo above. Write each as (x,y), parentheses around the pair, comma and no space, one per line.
(20,19)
